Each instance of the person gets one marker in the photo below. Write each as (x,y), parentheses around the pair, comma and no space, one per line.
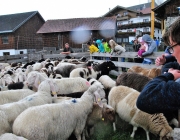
(152,47)
(136,44)
(107,49)
(92,48)
(162,94)
(143,48)
(100,46)
(67,50)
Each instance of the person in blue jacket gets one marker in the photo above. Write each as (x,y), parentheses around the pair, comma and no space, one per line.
(100,46)
(162,94)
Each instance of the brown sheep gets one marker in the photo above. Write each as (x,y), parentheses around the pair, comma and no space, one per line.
(151,73)
(132,80)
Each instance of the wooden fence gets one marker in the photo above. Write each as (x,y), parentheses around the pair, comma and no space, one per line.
(98,57)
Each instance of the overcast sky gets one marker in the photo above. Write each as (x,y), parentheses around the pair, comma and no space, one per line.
(64,9)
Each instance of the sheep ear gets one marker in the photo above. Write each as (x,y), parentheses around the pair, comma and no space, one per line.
(37,82)
(53,88)
(98,99)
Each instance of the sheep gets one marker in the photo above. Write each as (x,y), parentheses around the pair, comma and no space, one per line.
(115,47)
(18,85)
(151,73)
(76,111)
(38,65)
(9,112)
(98,114)
(10,136)
(123,100)
(95,72)
(34,78)
(108,83)
(10,96)
(132,80)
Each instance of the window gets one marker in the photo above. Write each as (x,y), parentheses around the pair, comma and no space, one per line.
(125,13)
(125,40)
(119,23)
(5,40)
(145,29)
(129,22)
(140,8)
(6,53)
(119,40)
(129,30)
(21,52)
(145,20)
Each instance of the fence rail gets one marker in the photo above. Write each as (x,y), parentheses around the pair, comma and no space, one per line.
(98,57)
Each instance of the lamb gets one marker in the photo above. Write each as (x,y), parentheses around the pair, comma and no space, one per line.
(151,73)
(76,111)
(38,65)
(132,80)
(123,100)
(115,47)
(10,136)
(9,112)
(10,96)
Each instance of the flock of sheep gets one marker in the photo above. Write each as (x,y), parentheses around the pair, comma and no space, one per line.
(51,100)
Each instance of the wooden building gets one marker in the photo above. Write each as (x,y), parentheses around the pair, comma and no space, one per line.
(18,32)
(76,31)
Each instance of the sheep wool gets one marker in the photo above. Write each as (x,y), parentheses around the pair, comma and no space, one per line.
(123,100)
(9,112)
(132,80)
(10,96)
(10,136)
(55,125)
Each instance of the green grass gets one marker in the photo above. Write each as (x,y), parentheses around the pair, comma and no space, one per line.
(124,130)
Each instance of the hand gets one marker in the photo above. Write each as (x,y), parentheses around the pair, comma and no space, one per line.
(160,60)
(176,73)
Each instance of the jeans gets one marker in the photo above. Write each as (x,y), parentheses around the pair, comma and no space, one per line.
(146,62)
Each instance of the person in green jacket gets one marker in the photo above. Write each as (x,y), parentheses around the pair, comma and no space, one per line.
(107,49)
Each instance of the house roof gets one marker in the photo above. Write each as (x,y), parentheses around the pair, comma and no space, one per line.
(141,6)
(117,8)
(10,23)
(65,25)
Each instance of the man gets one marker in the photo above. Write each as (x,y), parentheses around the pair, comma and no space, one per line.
(162,94)
(67,50)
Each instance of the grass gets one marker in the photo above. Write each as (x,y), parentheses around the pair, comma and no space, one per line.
(105,132)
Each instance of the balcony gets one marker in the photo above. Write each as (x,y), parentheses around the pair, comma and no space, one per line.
(126,17)
(140,25)
(127,34)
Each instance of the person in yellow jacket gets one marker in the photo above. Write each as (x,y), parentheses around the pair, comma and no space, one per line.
(92,48)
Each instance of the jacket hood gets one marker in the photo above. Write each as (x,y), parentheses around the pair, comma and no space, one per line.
(98,41)
(146,38)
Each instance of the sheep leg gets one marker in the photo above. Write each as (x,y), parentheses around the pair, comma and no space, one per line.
(147,135)
(134,130)
(114,126)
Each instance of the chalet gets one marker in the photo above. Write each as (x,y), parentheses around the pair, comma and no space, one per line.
(18,32)
(76,31)
(132,21)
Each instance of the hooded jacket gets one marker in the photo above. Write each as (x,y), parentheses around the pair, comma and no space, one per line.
(152,47)
(100,46)
(106,47)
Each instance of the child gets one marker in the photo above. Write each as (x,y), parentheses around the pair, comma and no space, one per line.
(92,48)
(143,48)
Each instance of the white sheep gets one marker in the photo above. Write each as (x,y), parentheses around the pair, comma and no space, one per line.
(34,78)
(123,100)
(10,96)
(107,81)
(10,136)
(84,73)
(37,66)
(59,120)
(66,86)
(9,112)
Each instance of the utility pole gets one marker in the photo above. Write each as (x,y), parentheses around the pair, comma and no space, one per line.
(152,18)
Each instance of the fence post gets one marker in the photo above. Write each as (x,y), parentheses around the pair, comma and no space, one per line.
(5,58)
